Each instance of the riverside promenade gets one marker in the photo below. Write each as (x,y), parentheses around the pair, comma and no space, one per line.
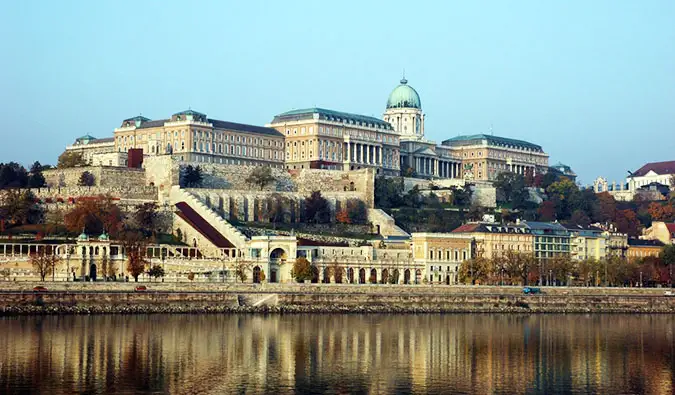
(124,298)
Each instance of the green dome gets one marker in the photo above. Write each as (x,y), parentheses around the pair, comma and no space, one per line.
(404,96)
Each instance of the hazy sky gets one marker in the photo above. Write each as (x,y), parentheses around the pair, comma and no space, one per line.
(593,82)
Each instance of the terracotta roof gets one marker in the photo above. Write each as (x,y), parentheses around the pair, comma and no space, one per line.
(466,228)
(656,167)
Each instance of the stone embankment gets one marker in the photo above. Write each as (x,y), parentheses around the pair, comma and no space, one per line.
(121,298)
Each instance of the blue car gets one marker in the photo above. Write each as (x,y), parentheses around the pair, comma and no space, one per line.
(531,291)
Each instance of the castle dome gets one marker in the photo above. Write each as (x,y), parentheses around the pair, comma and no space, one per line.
(404,96)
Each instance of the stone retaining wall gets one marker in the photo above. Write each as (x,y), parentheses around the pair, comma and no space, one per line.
(159,298)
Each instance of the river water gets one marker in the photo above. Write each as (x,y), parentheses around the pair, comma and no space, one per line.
(221,354)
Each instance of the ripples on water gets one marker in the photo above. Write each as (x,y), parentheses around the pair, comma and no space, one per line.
(210,354)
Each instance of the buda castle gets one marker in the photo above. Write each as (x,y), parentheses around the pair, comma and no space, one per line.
(321,138)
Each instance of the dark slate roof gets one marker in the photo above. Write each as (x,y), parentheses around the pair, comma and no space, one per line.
(491,140)
(656,167)
(241,127)
(645,243)
(139,118)
(105,140)
(153,124)
(330,115)
(534,225)
(577,227)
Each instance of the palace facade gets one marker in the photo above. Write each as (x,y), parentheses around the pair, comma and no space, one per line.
(325,139)
(192,136)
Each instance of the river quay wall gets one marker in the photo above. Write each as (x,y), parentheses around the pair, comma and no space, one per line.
(122,298)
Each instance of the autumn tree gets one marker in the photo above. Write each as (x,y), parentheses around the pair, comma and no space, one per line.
(517,266)
(18,207)
(135,245)
(70,159)
(546,211)
(302,270)
(261,177)
(44,263)
(626,221)
(336,270)
(342,216)
(94,216)
(241,269)
(476,270)
(661,212)
(317,209)
(274,211)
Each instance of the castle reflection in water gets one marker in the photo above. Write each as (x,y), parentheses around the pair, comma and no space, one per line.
(338,353)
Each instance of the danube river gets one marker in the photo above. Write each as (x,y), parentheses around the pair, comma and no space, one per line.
(220,354)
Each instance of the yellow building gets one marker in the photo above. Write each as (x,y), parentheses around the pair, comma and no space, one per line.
(327,139)
(493,240)
(638,249)
(441,254)
(192,136)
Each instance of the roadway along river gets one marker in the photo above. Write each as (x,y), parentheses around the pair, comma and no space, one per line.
(219,354)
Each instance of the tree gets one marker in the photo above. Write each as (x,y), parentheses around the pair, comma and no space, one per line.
(317,209)
(476,270)
(145,218)
(342,217)
(580,218)
(388,192)
(357,211)
(19,208)
(626,221)
(302,270)
(511,189)
(261,177)
(94,216)
(86,179)
(661,212)
(36,179)
(191,176)
(44,263)
(668,258)
(607,207)
(70,159)
(135,245)
(13,175)
(517,266)
(546,211)
(476,212)
(241,268)
(336,270)
(156,271)
(5,273)
(275,212)
(560,192)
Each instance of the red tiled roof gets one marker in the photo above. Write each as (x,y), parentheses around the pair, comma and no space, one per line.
(190,216)
(671,228)
(466,228)
(657,167)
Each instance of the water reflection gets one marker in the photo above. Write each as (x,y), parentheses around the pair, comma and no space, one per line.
(339,354)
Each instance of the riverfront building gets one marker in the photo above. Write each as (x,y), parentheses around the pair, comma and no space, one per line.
(441,254)
(493,239)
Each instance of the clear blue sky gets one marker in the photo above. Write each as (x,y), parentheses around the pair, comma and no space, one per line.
(593,82)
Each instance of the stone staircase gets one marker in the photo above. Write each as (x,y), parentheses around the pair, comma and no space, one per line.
(231,233)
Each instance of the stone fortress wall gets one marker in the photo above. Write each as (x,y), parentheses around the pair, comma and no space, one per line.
(104,176)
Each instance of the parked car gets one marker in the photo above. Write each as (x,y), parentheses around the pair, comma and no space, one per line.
(669,293)
(141,288)
(531,290)
(39,288)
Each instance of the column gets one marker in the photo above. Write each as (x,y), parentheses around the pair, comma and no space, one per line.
(348,150)
(368,154)
(379,156)
(360,160)
(436,173)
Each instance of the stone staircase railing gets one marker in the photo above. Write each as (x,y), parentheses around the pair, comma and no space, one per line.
(225,228)
(386,223)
